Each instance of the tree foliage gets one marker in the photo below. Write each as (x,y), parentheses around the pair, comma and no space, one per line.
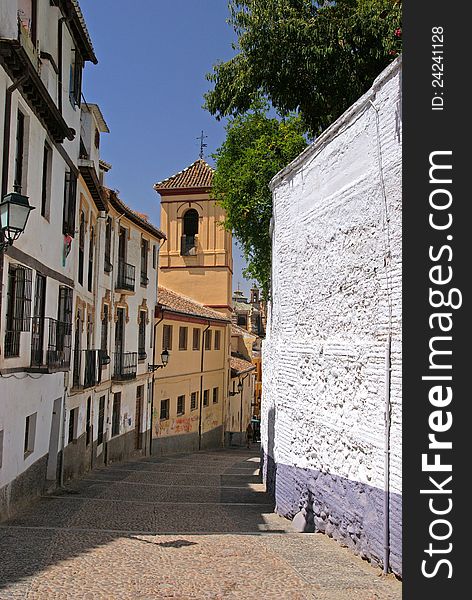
(312,57)
(255,149)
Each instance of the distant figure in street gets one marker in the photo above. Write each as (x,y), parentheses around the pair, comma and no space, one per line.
(249,434)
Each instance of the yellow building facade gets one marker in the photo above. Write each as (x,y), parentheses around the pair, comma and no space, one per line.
(190,393)
(196,259)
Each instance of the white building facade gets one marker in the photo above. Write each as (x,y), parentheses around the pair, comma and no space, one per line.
(331,404)
(79,287)
(43,48)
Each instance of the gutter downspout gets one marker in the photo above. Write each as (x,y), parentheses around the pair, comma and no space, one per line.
(153,378)
(201,389)
(63,438)
(388,408)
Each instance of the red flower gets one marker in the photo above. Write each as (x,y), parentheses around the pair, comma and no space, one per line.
(393,52)
(398,32)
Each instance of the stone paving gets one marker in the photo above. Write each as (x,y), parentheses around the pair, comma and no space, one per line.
(183,526)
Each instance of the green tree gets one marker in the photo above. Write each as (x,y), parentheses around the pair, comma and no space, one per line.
(255,149)
(312,57)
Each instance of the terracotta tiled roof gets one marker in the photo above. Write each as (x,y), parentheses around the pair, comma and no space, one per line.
(239,365)
(199,175)
(235,330)
(83,27)
(182,304)
(132,215)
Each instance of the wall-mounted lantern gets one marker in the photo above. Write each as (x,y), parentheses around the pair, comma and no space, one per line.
(164,361)
(14,213)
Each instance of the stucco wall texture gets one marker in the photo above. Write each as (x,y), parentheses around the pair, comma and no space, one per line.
(336,296)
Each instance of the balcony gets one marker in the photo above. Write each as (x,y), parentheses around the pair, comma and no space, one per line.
(55,353)
(87,368)
(125,365)
(125,277)
(188,245)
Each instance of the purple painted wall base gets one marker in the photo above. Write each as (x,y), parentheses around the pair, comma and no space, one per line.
(349,511)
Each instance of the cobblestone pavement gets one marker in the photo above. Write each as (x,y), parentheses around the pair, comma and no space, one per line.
(184,526)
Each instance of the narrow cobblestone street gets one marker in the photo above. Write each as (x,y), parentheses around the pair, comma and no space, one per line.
(183,526)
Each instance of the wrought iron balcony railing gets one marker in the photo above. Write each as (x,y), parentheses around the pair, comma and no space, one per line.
(125,278)
(53,353)
(125,365)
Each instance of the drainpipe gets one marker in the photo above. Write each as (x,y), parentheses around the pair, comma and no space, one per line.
(388,408)
(201,389)
(63,437)
(153,378)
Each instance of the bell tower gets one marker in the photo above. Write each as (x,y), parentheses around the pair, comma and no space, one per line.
(196,259)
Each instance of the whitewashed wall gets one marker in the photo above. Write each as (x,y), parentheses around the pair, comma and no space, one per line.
(336,262)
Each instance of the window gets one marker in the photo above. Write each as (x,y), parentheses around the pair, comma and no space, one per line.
(206,397)
(242,320)
(19,153)
(115,421)
(30,434)
(46,181)
(155,256)
(73,419)
(196,339)
(215,395)
(183,332)
(181,405)
(88,424)
(142,335)
(80,275)
(75,81)
(167,337)
(217,339)
(70,194)
(193,400)
(108,229)
(101,419)
(104,334)
(90,261)
(18,307)
(64,323)
(190,230)
(164,415)
(144,261)
(97,139)
(208,340)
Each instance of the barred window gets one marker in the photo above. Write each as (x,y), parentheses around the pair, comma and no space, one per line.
(167,337)
(18,307)
(104,336)
(206,397)
(215,395)
(164,414)
(193,400)
(181,405)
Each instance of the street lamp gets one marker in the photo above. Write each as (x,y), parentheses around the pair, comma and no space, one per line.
(240,389)
(164,361)
(14,213)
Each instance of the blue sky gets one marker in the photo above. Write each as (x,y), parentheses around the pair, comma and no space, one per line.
(153,57)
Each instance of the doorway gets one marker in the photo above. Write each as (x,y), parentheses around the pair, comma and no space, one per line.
(51,473)
(138,418)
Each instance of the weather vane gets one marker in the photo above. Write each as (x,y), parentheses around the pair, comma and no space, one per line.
(202,144)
